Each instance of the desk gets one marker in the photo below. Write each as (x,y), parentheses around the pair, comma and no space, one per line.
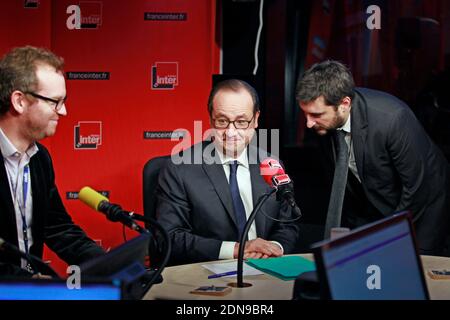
(179,280)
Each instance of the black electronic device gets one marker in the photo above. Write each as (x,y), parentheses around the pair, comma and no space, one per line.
(378,261)
(124,263)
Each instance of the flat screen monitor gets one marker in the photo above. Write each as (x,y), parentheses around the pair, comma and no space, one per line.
(130,253)
(39,289)
(378,261)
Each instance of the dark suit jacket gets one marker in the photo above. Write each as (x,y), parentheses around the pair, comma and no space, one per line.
(399,166)
(51,223)
(195,207)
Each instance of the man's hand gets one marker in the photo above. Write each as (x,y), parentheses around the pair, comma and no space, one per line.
(41,276)
(259,248)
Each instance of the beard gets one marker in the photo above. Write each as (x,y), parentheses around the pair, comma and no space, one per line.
(337,122)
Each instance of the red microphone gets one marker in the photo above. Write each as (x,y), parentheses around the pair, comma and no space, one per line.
(274,175)
(270,168)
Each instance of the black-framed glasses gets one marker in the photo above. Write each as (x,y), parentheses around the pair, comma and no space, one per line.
(223,123)
(57,104)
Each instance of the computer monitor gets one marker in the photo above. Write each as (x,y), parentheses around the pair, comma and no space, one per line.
(115,275)
(57,289)
(129,255)
(378,261)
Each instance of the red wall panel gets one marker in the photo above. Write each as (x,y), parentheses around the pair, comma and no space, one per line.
(126,46)
(24,26)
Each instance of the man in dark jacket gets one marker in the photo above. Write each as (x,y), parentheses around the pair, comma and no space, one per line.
(392,163)
(32,99)
(204,205)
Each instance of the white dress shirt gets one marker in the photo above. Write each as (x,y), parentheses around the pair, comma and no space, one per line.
(15,163)
(245,191)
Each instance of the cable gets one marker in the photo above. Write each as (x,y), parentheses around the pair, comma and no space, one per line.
(258,36)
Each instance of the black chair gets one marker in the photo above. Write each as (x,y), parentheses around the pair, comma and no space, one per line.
(150,183)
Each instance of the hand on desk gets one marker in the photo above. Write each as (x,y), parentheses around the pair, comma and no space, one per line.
(259,248)
(41,276)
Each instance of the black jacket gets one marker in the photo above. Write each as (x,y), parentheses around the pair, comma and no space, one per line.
(399,166)
(195,206)
(51,225)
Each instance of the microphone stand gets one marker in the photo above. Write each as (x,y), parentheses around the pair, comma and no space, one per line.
(115,213)
(167,247)
(36,263)
(240,263)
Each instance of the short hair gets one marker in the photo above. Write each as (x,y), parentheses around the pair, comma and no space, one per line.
(18,71)
(330,79)
(234,85)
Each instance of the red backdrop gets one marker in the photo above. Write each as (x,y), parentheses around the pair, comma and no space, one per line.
(121,42)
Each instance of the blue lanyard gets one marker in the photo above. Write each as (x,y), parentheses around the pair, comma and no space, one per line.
(25,181)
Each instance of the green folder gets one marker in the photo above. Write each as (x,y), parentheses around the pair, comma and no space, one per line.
(286,268)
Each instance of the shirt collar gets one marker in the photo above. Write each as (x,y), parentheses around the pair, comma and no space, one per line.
(242,159)
(9,150)
(347,125)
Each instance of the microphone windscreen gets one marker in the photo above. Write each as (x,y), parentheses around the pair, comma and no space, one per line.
(270,167)
(91,197)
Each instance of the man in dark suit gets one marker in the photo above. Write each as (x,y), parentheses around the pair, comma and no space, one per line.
(206,194)
(392,163)
(32,99)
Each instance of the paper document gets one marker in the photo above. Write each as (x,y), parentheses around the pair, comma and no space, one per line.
(230,266)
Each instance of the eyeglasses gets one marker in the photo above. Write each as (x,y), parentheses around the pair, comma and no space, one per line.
(57,104)
(223,123)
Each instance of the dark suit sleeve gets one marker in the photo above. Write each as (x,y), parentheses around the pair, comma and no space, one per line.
(173,213)
(61,235)
(411,151)
(11,270)
(407,147)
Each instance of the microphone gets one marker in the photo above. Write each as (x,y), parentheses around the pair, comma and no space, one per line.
(274,175)
(31,259)
(270,168)
(113,212)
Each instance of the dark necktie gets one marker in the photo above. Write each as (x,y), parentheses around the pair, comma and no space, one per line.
(238,205)
(339,182)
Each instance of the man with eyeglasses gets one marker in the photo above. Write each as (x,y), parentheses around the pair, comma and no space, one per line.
(204,206)
(32,100)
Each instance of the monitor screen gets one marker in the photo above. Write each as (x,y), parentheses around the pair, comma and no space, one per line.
(375,262)
(28,289)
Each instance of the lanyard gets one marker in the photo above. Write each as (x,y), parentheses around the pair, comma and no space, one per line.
(22,209)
